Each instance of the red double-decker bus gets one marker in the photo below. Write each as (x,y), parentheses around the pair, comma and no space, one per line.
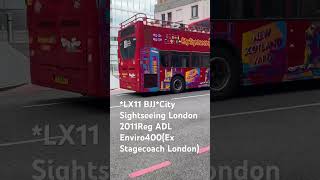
(201,23)
(69,45)
(156,55)
(263,41)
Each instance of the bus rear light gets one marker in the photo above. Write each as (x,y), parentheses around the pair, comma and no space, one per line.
(32,52)
(45,48)
(30,39)
(89,58)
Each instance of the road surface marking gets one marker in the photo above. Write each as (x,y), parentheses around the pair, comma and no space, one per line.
(187,97)
(112,107)
(119,95)
(204,150)
(150,169)
(43,105)
(264,110)
(29,141)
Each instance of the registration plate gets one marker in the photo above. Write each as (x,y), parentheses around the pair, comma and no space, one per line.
(61,80)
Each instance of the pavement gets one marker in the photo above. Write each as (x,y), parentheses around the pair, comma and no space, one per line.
(14,67)
(273,125)
(62,117)
(22,47)
(114,82)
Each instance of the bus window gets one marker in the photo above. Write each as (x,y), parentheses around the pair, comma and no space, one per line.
(184,60)
(310,8)
(220,9)
(195,60)
(128,31)
(127,48)
(174,60)
(291,8)
(180,60)
(249,9)
(165,59)
(272,8)
(205,61)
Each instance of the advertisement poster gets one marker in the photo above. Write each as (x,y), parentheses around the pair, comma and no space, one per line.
(263,53)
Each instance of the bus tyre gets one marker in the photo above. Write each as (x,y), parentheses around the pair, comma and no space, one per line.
(225,74)
(178,84)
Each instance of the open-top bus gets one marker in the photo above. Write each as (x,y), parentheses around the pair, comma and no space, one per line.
(263,41)
(201,23)
(157,55)
(69,45)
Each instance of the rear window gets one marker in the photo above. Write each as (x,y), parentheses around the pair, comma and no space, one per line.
(128,48)
(127,31)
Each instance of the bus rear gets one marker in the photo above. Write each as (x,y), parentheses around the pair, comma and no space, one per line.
(128,69)
(66,51)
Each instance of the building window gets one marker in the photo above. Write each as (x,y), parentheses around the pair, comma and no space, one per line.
(195,11)
(170,16)
(113,38)
(163,17)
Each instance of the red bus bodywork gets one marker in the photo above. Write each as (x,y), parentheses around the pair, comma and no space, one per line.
(202,23)
(273,45)
(143,72)
(69,45)
(273,51)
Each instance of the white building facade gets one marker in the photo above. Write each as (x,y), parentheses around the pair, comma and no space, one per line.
(182,11)
(120,11)
(13,22)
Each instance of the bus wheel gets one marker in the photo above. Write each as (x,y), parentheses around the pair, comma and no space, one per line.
(178,84)
(225,75)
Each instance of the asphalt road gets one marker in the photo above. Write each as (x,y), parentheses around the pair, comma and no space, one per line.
(270,126)
(188,132)
(24,155)
(265,126)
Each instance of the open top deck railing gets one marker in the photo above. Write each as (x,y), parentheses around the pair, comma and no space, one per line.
(140,17)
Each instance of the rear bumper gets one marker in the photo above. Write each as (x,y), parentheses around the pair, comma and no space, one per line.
(76,80)
(130,86)
(136,87)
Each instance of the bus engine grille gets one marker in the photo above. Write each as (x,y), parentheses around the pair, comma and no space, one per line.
(150,80)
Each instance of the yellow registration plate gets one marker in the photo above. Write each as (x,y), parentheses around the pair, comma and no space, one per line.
(61,80)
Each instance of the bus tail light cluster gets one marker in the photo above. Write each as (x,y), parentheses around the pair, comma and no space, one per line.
(32,52)
(89,58)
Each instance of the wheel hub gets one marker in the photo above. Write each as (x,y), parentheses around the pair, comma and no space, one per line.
(220,74)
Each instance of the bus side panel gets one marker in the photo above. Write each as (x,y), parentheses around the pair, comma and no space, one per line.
(166,75)
(167,39)
(263,51)
(194,77)
(303,50)
(276,51)
(98,50)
